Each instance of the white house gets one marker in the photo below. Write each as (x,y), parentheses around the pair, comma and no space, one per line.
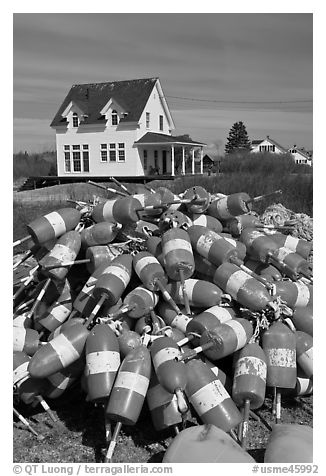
(267,145)
(120,128)
(300,155)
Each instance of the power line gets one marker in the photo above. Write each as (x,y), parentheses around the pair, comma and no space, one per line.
(223,101)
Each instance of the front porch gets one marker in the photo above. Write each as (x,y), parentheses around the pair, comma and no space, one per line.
(162,154)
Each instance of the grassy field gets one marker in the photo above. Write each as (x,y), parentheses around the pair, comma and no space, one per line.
(80,435)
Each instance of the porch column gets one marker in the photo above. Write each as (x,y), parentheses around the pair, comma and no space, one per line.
(172,160)
(193,161)
(201,160)
(183,161)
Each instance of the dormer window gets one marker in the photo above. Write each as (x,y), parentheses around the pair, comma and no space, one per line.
(114,118)
(75,120)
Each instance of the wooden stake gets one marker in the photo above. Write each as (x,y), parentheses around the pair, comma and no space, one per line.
(262,197)
(182,404)
(278,406)
(167,296)
(113,442)
(46,408)
(27,424)
(19,262)
(120,185)
(245,424)
(184,293)
(176,429)
(95,310)
(22,240)
(39,297)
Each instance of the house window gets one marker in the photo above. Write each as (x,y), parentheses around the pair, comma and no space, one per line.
(121,152)
(155,154)
(161,123)
(145,154)
(104,153)
(113,154)
(76,161)
(114,118)
(67,162)
(67,147)
(145,163)
(85,158)
(148,117)
(75,120)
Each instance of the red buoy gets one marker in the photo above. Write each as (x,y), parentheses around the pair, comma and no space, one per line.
(297,245)
(208,222)
(123,210)
(200,293)
(209,398)
(172,318)
(302,319)
(99,234)
(60,381)
(25,340)
(295,295)
(230,206)
(199,199)
(53,225)
(59,311)
(304,352)
(102,361)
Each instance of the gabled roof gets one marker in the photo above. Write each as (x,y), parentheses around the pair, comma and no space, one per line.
(91,98)
(304,153)
(273,142)
(155,138)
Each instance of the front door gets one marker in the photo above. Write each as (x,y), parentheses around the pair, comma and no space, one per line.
(164,162)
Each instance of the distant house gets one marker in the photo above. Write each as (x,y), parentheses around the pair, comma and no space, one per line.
(207,162)
(267,145)
(301,156)
(121,128)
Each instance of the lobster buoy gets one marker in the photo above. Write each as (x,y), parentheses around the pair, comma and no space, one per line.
(172,318)
(290,443)
(85,302)
(28,388)
(173,218)
(209,319)
(226,338)
(237,224)
(59,311)
(205,444)
(170,373)
(102,362)
(240,247)
(99,234)
(154,246)
(60,352)
(292,264)
(304,352)
(197,199)
(139,302)
(65,250)
(128,393)
(259,246)
(53,225)
(61,381)
(295,295)
(200,293)
(243,288)
(297,245)
(114,279)
(230,206)
(203,268)
(268,271)
(122,210)
(209,398)
(177,253)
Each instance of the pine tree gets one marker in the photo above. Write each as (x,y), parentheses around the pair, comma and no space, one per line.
(238,139)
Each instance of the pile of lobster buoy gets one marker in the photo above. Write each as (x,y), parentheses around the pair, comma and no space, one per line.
(145,298)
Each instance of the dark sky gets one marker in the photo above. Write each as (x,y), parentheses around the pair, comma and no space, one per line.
(234,61)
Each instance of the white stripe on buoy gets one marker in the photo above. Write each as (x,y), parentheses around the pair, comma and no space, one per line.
(189,286)
(103,361)
(239,331)
(222,208)
(60,312)
(176,244)
(235,282)
(303,295)
(180,322)
(221,313)
(151,294)
(19,335)
(206,241)
(145,261)
(57,223)
(306,359)
(62,253)
(282,253)
(120,272)
(107,211)
(304,385)
(251,366)
(291,242)
(157,396)
(65,350)
(281,357)
(164,355)
(200,220)
(21,373)
(208,397)
(132,381)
